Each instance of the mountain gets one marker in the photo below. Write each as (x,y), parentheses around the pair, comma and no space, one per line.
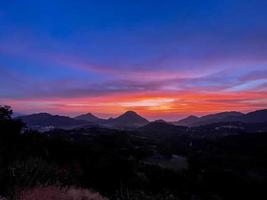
(257,116)
(90,118)
(220,117)
(160,121)
(162,127)
(164,134)
(129,119)
(41,120)
(212,118)
(187,121)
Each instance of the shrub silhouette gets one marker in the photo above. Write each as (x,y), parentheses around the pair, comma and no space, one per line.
(58,193)
(34,171)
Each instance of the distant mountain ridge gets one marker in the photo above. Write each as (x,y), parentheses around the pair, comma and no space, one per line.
(258,116)
(89,117)
(187,121)
(129,119)
(132,120)
(46,119)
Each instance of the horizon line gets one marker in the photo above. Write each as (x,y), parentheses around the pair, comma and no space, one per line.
(157,118)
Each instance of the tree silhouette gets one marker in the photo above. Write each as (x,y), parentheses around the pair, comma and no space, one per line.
(5,112)
(9,128)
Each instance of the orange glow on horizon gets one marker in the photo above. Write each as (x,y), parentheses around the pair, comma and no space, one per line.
(166,105)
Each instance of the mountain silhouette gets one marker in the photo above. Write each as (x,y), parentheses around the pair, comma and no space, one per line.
(46,119)
(90,118)
(220,117)
(187,121)
(129,119)
(258,116)
(211,118)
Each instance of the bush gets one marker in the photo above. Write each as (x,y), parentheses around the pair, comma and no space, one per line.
(34,171)
(55,192)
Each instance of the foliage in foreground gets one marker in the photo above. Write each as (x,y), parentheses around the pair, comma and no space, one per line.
(58,193)
(112,163)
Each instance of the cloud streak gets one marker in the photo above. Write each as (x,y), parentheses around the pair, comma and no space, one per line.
(154,58)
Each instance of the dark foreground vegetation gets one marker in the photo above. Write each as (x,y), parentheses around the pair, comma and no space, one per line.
(125,165)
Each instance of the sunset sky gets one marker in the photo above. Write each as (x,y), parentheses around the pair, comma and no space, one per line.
(164,59)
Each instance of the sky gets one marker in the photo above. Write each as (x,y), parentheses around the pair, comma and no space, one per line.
(162,59)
